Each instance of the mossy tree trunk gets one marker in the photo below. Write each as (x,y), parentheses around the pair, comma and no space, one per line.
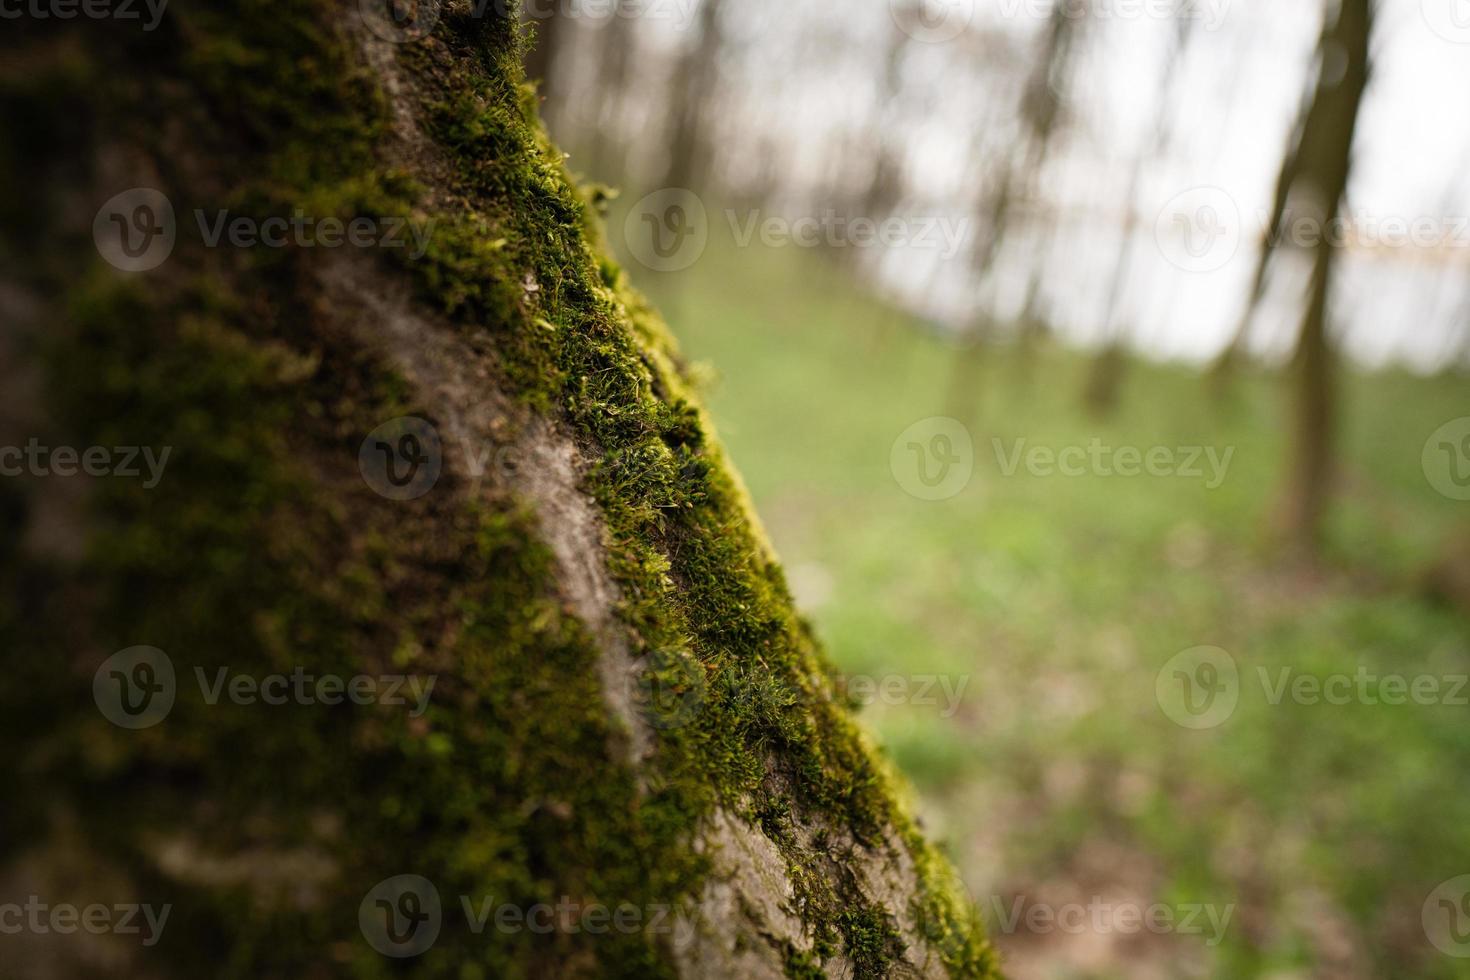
(626,711)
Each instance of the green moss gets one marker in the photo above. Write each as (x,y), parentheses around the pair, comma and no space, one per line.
(507,787)
(801,965)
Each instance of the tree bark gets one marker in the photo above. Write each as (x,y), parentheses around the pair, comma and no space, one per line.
(1322,169)
(631,735)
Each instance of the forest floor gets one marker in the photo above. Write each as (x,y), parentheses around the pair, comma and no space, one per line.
(1020,641)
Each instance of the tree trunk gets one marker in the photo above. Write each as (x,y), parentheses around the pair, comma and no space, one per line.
(1222,371)
(690,101)
(607,156)
(1305,502)
(469,473)
(1322,170)
(1040,112)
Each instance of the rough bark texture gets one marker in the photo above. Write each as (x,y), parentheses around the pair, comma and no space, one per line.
(627,711)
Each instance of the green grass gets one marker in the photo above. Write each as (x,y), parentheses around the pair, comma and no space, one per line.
(1059,599)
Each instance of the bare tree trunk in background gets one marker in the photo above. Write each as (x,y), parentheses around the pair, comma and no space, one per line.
(1041,112)
(473,472)
(551,32)
(693,89)
(692,94)
(606,156)
(1222,371)
(1313,420)
(1106,377)
(1325,165)
(885,191)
